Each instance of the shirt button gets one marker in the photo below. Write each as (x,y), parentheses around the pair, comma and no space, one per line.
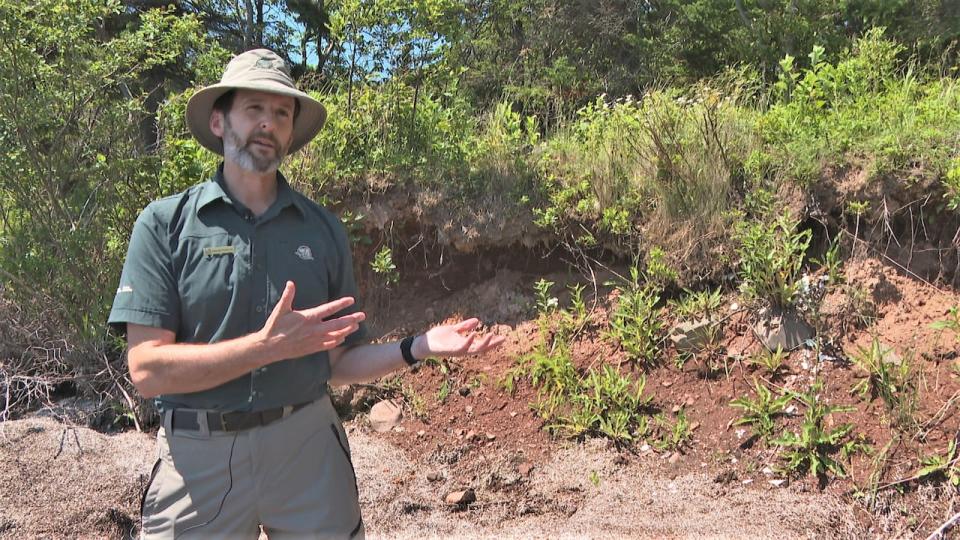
(259,309)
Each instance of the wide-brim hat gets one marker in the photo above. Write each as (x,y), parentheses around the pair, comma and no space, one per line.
(261,70)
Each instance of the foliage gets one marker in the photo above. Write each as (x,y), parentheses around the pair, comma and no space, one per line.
(771,256)
(810,449)
(674,434)
(698,304)
(760,413)
(73,171)
(772,361)
(951,323)
(383,265)
(635,321)
(889,378)
(942,464)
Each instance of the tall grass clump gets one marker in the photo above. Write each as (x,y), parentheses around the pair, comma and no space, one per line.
(667,163)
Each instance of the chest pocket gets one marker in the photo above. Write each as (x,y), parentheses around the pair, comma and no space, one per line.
(306,264)
(208,281)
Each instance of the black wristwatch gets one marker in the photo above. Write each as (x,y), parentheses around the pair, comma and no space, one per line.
(405,345)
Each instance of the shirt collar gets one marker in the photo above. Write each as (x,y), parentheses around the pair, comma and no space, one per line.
(217,190)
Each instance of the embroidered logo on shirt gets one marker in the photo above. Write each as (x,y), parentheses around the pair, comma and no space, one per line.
(220,250)
(304,253)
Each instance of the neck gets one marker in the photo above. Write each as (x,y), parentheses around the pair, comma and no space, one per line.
(256,191)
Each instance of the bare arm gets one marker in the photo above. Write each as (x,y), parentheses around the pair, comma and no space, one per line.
(159,365)
(364,363)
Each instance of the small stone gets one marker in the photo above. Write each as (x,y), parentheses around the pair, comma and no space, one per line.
(464,391)
(421,433)
(461,497)
(734,306)
(747,481)
(645,448)
(471,435)
(676,409)
(694,426)
(665,384)
(675,457)
(666,455)
(767,471)
(385,415)
(689,402)
(779,482)
(434,476)
(469,409)
(513,414)
(491,437)
(460,432)
(525,468)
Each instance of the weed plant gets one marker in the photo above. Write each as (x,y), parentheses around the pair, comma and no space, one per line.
(698,305)
(942,464)
(771,361)
(771,256)
(811,448)
(635,321)
(674,434)
(761,412)
(890,379)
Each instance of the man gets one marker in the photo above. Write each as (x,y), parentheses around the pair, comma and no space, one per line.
(237,296)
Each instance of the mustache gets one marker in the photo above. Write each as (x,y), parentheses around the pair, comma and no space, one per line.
(263,136)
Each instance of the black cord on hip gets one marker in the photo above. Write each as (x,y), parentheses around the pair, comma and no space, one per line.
(224,499)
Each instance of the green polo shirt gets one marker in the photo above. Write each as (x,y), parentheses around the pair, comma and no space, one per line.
(200,264)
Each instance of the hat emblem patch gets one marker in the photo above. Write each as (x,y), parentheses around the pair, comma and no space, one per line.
(305,253)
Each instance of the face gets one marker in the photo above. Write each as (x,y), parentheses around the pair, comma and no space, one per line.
(257,131)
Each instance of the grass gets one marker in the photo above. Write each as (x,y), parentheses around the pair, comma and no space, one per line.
(635,322)
(761,412)
(889,378)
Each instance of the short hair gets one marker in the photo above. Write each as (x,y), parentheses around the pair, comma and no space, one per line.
(225,102)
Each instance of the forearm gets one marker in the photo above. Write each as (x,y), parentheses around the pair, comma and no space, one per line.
(364,363)
(178,368)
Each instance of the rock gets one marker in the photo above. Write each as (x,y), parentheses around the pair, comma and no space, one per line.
(784,329)
(779,482)
(694,426)
(421,433)
(747,481)
(676,409)
(693,336)
(471,435)
(461,497)
(675,457)
(525,468)
(513,414)
(491,437)
(767,471)
(464,391)
(665,384)
(469,410)
(434,476)
(385,415)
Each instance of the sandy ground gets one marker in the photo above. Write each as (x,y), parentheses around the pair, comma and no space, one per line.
(58,481)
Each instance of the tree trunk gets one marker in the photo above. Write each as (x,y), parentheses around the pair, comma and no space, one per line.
(259,32)
(248,26)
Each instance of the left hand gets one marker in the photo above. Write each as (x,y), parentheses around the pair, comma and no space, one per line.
(457,339)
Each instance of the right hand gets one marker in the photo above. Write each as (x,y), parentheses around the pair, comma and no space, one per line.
(292,334)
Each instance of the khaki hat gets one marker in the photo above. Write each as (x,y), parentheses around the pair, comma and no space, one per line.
(264,71)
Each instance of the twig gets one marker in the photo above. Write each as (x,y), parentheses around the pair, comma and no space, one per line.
(942,529)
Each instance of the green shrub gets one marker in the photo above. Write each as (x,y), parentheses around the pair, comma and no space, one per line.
(771,257)
(635,321)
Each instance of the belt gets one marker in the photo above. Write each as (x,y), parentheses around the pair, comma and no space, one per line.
(230,421)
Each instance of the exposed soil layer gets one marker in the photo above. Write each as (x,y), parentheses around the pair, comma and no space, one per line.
(462,429)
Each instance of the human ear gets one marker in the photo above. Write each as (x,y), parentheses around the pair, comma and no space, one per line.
(216,123)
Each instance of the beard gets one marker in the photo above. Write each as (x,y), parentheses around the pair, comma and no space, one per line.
(238,150)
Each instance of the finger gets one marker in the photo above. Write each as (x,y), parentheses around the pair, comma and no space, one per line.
(465,348)
(325,310)
(467,325)
(481,345)
(489,343)
(284,305)
(337,325)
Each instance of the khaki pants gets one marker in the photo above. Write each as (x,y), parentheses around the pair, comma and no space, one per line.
(293,476)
